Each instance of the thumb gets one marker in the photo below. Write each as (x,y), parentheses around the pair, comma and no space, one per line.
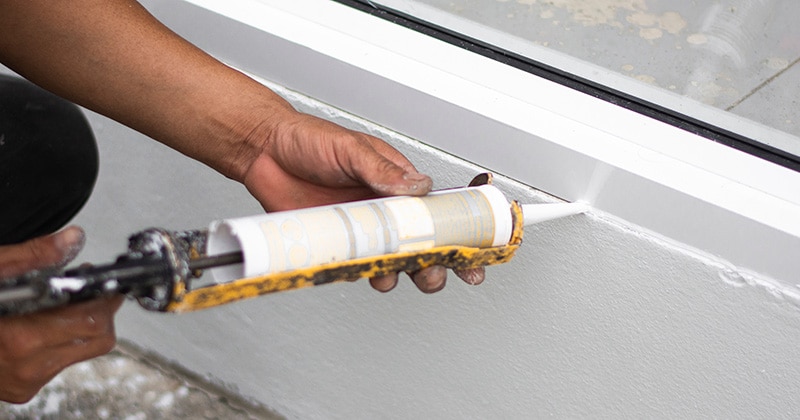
(386,171)
(44,252)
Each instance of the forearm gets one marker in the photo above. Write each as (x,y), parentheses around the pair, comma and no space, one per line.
(113,57)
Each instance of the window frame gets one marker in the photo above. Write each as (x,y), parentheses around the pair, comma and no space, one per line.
(705,120)
(708,121)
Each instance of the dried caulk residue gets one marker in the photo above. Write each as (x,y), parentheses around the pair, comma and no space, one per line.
(607,12)
(650,33)
(697,39)
(652,26)
(776,63)
(646,78)
(672,22)
(600,12)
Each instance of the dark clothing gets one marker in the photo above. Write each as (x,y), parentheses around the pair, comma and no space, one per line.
(48,161)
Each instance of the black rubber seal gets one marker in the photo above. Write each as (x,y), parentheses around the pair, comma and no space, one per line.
(616,97)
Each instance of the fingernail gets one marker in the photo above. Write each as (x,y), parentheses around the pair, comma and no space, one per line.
(384,284)
(473,276)
(415,177)
(70,241)
(420,182)
(432,279)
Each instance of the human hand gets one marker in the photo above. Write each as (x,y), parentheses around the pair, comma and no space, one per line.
(307,161)
(34,348)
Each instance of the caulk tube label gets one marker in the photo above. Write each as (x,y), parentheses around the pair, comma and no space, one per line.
(289,240)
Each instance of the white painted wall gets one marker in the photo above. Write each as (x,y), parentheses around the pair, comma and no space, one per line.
(593,318)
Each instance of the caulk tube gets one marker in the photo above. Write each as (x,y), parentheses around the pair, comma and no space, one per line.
(289,240)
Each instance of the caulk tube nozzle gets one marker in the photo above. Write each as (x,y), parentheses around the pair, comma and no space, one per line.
(536,213)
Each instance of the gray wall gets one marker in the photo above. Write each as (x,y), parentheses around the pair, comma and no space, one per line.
(593,318)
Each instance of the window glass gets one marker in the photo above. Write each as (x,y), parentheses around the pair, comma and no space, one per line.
(737,57)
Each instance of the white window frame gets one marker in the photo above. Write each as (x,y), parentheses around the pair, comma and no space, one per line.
(725,203)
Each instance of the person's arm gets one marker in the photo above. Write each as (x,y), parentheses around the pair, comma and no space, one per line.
(113,57)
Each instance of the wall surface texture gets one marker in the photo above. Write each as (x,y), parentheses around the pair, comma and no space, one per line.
(594,317)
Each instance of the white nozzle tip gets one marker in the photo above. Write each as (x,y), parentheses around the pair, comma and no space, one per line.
(537,213)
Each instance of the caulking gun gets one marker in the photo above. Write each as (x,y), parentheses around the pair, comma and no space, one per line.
(458,228)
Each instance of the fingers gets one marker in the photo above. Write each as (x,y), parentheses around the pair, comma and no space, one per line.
(49,251)
(430,280)
(27,334)
(310,162)
(385,170)
(32,374)
(327,154)
(34,348)
(81,322)
(384,284)
(472,276)
(427,280)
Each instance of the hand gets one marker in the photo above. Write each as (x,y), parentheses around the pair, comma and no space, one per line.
(306,161)
(35,348)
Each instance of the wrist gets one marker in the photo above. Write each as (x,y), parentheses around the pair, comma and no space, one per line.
(246,135)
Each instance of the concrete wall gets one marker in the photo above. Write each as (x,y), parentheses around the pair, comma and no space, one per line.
(593,318)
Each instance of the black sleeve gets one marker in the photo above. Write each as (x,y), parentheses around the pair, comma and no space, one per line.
(48,161)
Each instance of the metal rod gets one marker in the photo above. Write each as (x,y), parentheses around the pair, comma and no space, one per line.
(216,261)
